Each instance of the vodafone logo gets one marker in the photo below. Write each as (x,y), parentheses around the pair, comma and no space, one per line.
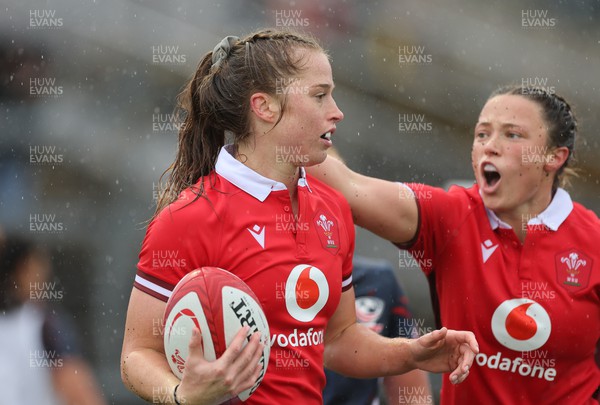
(306,292)
(521,324)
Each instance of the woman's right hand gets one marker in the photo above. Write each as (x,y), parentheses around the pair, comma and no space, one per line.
(212,382)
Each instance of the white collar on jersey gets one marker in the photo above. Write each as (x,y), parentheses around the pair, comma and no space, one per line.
(553,216)
(248,180)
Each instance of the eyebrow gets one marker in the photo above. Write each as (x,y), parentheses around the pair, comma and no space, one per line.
(507,125)
(324,85)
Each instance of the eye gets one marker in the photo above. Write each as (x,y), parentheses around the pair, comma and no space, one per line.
(320,96)
(513,135)
(480,135)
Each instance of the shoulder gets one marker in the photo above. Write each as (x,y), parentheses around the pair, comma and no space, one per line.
(215,197)
(332,198)
(455,203)
(584,220)
(586,214)
(464,195)
(455,193)
(190,216)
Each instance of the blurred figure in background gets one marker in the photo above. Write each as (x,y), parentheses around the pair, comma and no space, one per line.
(40,358)
(381,306)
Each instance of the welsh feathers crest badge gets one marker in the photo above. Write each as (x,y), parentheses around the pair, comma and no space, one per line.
(573,270)
(327,229)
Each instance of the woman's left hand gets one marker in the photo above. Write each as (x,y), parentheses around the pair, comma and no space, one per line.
(445,350)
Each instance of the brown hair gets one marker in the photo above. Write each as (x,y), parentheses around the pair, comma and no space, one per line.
(215,102)
(561,121)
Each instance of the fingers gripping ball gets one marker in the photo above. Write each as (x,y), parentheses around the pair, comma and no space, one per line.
(219,304)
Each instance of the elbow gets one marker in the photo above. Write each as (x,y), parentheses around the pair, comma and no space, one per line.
(124,371)
(327,359)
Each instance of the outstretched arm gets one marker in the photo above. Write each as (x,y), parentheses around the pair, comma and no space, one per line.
(383,207)
(355,351)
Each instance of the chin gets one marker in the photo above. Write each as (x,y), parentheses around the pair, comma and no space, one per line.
(491,202)
(498,206)
(315,160)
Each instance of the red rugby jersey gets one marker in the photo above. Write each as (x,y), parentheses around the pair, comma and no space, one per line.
(296,265)
(534,307)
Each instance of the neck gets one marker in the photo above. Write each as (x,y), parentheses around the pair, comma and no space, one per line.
(266,164)
(517,223)
(518,217)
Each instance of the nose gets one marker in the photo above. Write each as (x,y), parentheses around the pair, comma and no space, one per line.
(336,115)
(491,145)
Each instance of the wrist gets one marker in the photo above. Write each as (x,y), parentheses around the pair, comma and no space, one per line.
(412,358)
(177,398)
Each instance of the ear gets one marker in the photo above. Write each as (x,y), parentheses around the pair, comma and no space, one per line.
(556,158)
(264,107)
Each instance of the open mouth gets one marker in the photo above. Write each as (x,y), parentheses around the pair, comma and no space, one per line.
(491,174)
(326,136)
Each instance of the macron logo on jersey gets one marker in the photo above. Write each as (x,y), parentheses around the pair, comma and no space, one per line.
(258,233)
(487,248)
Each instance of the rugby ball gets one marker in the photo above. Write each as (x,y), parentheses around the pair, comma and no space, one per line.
(218,303)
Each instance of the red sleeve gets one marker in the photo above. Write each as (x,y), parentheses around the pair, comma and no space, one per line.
(439,218)
(173,246)
(347,265)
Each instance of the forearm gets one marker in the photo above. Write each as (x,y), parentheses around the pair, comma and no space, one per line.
(146,373)
(361,353)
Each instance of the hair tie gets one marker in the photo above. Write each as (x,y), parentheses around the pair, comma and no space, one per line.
(222,50)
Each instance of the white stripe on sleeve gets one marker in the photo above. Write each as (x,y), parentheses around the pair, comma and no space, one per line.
(156,288)
(347,282)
